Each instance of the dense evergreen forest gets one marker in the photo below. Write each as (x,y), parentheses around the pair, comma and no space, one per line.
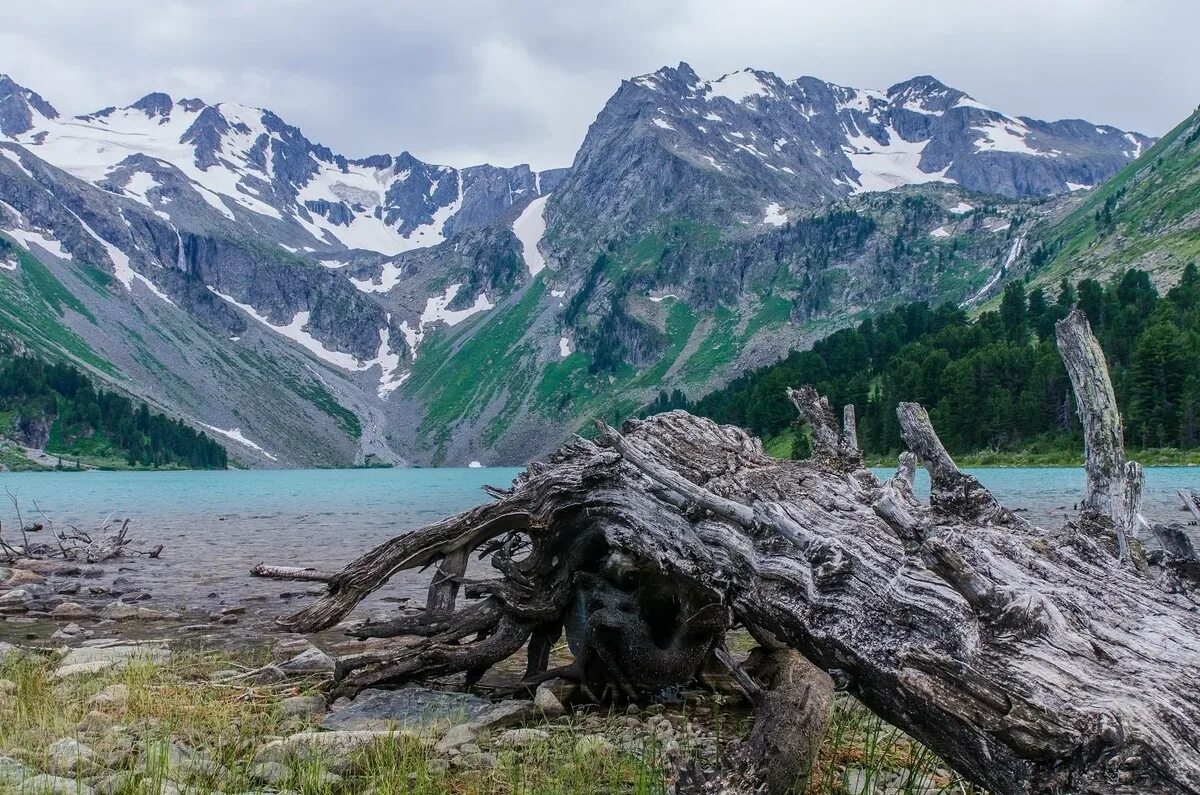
(995,383)
(56,406)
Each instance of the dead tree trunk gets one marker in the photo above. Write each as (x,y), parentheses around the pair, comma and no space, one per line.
(1030,659)
(1114,486)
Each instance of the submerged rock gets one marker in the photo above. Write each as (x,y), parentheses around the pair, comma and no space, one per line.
(71,611)
(20,577)
(17,599)
(120,611)
(417,709)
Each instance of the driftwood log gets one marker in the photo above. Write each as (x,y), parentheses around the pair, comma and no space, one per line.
(1033,660)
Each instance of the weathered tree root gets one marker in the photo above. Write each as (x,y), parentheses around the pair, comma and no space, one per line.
(1033,661)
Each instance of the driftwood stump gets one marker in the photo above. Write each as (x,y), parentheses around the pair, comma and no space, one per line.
(1033,660)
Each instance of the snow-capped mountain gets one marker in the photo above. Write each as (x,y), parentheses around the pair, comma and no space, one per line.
(242,160)
(751,147)
(315,309)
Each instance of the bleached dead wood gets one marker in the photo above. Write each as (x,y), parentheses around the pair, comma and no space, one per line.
(1114,486)
(297,573)
(1191,502)
(1029,658)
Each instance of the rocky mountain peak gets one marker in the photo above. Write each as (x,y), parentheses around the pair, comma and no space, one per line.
(18,106)
(155,104)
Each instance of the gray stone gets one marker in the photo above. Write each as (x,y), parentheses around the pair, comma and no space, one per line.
(13,772)
(120,611)
(22,577)
(593,744)
(303,706)
(92,658)
(111,696)
(475,761)
(69,756)
(416,709)
(53,785)
(312,661)
(456,736)
(547,703)
(503,715)
(333,747)
(115,784)
(521,738)
(266,675)
(18,598)
(95,722)
(270,773)
(70,611)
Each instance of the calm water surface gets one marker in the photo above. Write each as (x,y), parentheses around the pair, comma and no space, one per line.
(216,525)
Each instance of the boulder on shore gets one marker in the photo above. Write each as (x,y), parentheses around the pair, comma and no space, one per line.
(416,709)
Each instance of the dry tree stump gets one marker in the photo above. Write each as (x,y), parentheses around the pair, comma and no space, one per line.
(1033,660)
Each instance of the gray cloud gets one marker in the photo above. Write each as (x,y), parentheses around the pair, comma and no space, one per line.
(462,81)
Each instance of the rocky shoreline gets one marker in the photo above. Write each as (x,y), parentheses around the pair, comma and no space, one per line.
(89,627)
(453,732)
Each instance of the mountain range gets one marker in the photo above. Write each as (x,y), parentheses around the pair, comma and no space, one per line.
(308,308)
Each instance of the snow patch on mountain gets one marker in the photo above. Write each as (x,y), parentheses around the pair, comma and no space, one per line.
(15,158)
(882,167)
(529,228)
(236,435)
(738,86)
(29,238)
(296,333)
(436,308)
(1006,135)
(390,377)
(775,216)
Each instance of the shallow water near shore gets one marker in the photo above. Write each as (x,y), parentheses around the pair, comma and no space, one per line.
(215,525)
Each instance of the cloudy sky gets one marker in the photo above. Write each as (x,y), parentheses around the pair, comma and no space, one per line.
(462,82)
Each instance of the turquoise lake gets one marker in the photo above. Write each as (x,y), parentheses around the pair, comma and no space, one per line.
(215,525)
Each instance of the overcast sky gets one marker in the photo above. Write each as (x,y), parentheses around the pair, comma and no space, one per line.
(462,82)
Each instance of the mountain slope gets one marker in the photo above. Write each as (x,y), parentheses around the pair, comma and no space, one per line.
(1145,217)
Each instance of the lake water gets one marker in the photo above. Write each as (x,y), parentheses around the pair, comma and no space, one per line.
(215,525)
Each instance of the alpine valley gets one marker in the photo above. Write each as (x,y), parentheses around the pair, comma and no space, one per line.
(309,309)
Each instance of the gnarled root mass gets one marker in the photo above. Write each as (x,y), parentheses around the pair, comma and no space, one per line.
(1032,660)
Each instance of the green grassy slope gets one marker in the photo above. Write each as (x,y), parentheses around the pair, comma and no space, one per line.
(1147,216)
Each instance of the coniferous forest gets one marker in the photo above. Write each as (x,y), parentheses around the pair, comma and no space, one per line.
(58,407)
(995,382)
